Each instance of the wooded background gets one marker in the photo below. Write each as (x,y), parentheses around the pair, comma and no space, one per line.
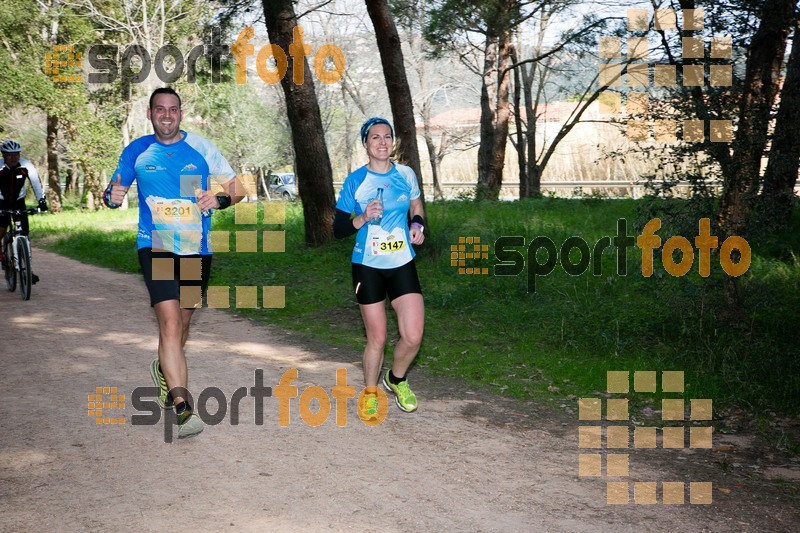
(477,90)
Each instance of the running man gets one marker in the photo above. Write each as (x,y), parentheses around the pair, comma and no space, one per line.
(14,172)
(173,170)
(383,261)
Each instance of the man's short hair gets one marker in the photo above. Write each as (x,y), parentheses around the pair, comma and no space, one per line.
(164,90)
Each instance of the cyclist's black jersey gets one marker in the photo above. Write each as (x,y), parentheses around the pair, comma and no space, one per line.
(12,184)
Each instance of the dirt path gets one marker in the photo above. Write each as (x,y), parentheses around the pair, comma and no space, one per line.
(464,462)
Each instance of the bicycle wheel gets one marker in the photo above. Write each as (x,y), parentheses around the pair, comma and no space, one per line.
(10,273)
(25,275)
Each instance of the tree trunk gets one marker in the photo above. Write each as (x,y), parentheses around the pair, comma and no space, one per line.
(532,188)
(53,185)
(80,184)
(537,71)
(762,71)
(521,143)
(427,134)
(784,158)
(94,188)
(71,181)
(434,159)
(488,119)
(503,115)
(312,163)
(494,117)
(348,135)
(394,72)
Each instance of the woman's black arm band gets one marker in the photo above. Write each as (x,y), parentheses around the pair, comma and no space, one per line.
(343,225)
(224,201)
(419,220)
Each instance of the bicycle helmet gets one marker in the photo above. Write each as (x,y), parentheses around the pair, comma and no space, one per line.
(371,122)
(10,146)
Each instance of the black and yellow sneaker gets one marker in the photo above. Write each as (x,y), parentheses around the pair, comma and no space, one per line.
(189,424)
(368,407)
(191,427)
(405,399)
(164,399)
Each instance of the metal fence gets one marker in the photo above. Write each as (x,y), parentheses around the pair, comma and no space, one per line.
(573,189)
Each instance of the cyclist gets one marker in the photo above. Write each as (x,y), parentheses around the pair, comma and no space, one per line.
(174,170)
(14,171)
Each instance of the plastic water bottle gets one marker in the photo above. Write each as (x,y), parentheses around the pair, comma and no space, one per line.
(197,191)
(379,197)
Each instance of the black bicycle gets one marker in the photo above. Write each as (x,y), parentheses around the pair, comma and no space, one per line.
(17,255)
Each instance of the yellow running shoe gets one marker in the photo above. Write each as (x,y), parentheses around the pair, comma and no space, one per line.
(405,399)
(368,407)
(191,427)
(164,399)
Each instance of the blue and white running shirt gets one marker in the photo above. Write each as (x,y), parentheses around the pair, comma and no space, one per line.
(168,177)
(387,245)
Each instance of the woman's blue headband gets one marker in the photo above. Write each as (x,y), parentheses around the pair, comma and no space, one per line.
(371,122)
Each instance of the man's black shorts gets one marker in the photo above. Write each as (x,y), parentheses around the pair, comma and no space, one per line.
(372,285)
(170,276)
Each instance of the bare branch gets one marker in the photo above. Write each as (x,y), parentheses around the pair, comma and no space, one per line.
(10,50)
(561,45)
(315,8)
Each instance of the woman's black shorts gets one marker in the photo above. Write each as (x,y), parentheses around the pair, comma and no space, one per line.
(169,276)
(372,285)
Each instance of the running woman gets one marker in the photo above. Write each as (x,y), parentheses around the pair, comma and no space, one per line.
(383,261)
(173,170)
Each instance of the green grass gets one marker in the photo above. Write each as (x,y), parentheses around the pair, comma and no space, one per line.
(495,334)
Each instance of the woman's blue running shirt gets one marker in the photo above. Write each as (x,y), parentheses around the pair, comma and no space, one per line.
(387,245)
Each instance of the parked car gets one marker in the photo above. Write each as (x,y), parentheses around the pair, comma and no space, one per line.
(282,186)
